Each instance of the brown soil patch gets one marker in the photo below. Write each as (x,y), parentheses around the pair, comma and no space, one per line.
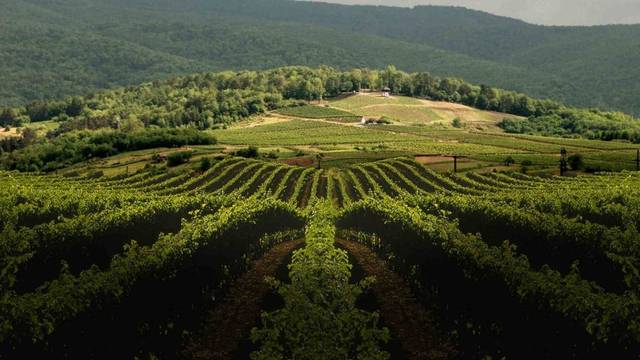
(300,161)
(261,121)
(433,159)
(402,313)
(230,322)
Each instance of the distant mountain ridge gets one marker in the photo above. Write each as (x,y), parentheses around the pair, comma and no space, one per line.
(66,47)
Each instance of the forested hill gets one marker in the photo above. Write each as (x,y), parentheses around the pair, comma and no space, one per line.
(66,47)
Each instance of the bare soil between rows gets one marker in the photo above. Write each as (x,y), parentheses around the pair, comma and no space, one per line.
(410,323)
(231,321)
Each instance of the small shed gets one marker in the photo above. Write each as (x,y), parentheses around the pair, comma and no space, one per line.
(386,91)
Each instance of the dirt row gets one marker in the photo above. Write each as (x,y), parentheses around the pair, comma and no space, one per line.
(407,319)
(231,321)
(229,324)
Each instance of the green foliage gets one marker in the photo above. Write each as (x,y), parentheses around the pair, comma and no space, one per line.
(178,158)
(590,124)
(570,262)
(205,164)
(576,162)
(249,152)
(75,147)
(320,319)
(456,123)
(80,51)
(508,161)
(30,318)
(408,235)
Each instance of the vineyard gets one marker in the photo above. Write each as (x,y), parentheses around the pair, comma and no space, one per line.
(162,264)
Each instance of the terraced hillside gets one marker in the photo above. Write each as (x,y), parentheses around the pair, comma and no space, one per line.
(172,264)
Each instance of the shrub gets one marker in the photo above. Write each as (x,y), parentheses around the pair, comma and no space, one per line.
(205,164)
(178,158)
(272,155)
(509,161)
(250,152)
(576,162)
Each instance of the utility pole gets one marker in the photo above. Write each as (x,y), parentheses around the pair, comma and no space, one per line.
(563,161)
(455,163)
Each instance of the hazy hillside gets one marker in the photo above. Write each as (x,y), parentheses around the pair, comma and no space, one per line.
(50,49)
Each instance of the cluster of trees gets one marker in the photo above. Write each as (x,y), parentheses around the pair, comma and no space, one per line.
(77,146)
(178,158)
(167,104)
(568,122)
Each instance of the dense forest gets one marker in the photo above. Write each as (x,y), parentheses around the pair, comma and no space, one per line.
(214,100)
(72,47)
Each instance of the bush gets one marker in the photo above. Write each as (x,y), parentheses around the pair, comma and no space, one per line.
(250,152)
(205,164)
(178,158)
(456,123)
(509,161)
(156,158)
(576,162)
(272,155)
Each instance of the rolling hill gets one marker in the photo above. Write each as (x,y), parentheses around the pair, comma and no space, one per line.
(69,47)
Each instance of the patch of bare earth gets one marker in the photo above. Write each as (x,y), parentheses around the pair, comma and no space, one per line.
(407,319)
(433,159)
(300,161)
(261,121)
(231,321)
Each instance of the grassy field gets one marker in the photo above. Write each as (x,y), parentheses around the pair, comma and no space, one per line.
(411,111)
(318,112)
